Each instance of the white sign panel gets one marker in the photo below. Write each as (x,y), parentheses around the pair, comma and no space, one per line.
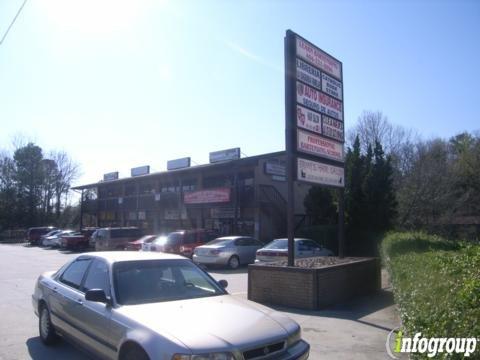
(331,86)
(319,173)
(309,74)
(229,154)
(178,163)
(319,146)
(319,101)
(308,119)
(318,58)
(276,168)
(110,176)
(332,128)
(141,170)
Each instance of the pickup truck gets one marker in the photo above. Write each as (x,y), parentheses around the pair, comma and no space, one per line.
(77,241)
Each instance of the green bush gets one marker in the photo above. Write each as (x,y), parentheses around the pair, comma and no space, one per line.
(436,284)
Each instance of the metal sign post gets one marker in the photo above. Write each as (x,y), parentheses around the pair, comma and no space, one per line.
(290,140)
(314,128)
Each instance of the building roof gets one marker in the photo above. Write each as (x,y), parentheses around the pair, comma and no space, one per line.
(228,163)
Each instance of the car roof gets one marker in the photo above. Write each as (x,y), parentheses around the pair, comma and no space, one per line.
(233,237)
(116,256)
(296,239)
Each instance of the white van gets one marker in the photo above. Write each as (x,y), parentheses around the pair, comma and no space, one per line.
(115,238)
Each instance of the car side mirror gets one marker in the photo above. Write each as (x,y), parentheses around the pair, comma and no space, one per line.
(97,295)
(223,283)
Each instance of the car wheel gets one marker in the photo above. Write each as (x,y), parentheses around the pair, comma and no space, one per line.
(133,352)
(45,327)
(234,262)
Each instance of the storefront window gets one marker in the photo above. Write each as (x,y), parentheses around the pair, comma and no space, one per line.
(146,188)
(130,189)
(218,181)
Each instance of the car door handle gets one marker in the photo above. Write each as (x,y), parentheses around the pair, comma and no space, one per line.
(79,301)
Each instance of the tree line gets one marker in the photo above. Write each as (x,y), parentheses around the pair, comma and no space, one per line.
(394,179)
(35,187)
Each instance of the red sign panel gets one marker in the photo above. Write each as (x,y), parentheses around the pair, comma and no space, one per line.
(209,196)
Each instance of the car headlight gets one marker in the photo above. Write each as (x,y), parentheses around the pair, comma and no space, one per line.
(294,337)
(210,356)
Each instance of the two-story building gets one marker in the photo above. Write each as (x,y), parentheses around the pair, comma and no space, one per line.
(243,196)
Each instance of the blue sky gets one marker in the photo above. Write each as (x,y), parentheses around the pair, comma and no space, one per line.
(119,84)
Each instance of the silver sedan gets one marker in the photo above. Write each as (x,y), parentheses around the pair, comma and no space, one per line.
(229,250)
(144,305)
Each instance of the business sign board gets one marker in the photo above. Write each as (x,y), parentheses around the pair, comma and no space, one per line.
(178,163)
(222,213)
(318,58)
(222,155)
(318,101)
(319,173)
(332,128)
(141,170)
(276,167)
(314,129)
(309,74)
(309,120)
(218,195)
(110,176)
(316,145)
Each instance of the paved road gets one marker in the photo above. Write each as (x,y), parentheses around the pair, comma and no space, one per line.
(356,330)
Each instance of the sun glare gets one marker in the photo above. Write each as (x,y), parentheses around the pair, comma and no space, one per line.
(96,17)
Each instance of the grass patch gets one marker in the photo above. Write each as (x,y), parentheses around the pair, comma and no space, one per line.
(436,284)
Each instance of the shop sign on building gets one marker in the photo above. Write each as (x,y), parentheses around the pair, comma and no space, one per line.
(178,163)
(222,213)
(110,176)
(218,195)
(275,167)
(140,170)
(223,155)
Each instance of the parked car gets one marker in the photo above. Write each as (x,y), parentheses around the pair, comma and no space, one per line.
(137,245)
(278,250)
(183,242)
(33,234)
(115,238)
(229,250)
(78,240)
(55,240)
(51,233)
(144,305)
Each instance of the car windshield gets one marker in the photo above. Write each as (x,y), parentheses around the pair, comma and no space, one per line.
(53,232)
(220,241)
(151,281)
(279,244)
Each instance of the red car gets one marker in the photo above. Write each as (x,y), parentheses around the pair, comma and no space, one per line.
(77,241)
(183,242)
(137,244)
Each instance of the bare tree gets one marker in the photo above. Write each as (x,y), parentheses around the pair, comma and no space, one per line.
(373,126)
(67,172)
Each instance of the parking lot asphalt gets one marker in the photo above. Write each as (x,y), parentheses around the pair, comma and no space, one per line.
(354,330)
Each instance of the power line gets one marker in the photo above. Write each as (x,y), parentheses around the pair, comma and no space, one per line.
(13,22)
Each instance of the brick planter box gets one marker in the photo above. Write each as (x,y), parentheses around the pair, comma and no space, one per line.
(313,288)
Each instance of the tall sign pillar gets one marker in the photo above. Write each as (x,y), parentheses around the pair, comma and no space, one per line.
(314,128)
